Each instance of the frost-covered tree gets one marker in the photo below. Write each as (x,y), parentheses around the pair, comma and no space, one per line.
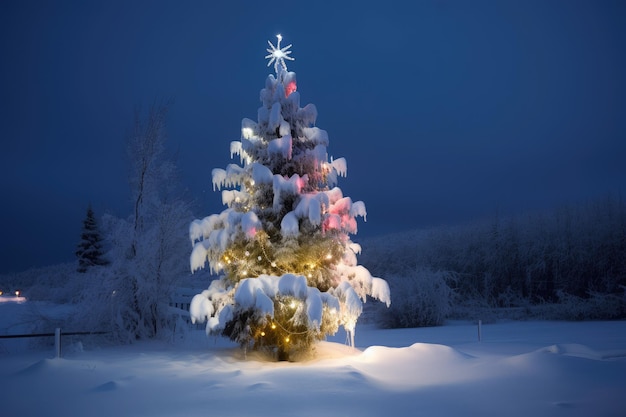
(131,297)
(89,250)
(289,274)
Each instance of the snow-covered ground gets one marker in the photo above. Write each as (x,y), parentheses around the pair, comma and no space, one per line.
(518,369)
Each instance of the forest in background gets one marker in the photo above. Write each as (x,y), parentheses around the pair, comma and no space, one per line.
(567,263)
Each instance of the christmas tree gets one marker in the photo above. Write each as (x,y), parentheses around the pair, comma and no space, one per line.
(89,250)
(289,274)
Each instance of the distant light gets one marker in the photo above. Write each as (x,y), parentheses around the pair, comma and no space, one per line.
(17,293)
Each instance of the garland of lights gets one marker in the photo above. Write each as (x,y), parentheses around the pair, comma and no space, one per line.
(272,262)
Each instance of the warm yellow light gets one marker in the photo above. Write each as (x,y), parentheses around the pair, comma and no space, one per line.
(287,339)
(293,304)
(247,133)
(244,273)
(262,334)
(0,292)
(273,325)
(329,256)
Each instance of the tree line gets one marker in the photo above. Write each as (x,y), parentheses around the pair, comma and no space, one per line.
(572,259)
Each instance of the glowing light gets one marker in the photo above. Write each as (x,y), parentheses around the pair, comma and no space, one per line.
(0,292)
(273,264)
(293,304)
(291,87)
(262,334)
(277,55)
(287,339)
(329,256)
(273,326)
(17,293)
(247,133)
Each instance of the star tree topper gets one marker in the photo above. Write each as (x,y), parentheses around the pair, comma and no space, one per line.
(277,55)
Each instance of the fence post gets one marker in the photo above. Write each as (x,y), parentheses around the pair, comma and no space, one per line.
(57,341)
(480,324)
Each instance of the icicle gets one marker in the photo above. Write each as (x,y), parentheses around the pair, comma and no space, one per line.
(340,166)
(219,178)
(235,148)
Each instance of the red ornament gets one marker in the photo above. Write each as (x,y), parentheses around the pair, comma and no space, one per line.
(291,87)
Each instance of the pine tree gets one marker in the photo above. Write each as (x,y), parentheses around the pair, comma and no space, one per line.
(89,251)
(289,271)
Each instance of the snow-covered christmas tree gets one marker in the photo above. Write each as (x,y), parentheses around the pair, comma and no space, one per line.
(289,274)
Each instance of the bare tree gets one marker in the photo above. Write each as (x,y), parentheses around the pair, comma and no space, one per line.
(149,248)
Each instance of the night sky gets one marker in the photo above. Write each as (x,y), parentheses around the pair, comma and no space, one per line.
(446,111)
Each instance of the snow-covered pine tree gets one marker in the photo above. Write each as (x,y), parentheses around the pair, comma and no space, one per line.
(89,250)
(289,270)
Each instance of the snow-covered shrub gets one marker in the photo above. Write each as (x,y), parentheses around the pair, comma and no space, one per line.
(422,297)
(596,306)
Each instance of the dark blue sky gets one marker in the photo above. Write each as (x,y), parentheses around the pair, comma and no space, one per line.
(446,111)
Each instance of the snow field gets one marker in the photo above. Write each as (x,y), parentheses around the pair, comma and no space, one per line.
(518,369)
